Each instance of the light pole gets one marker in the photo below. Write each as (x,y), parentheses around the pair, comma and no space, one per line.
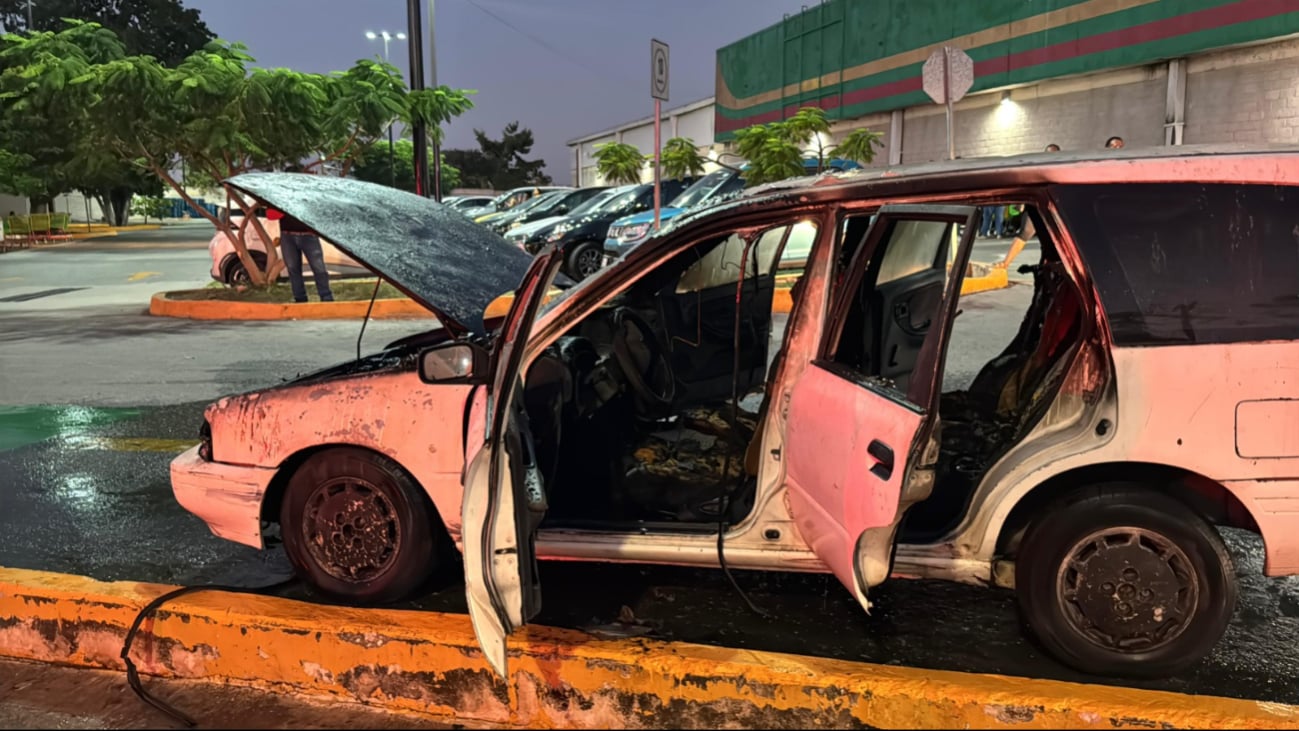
(29,17)
(392,156)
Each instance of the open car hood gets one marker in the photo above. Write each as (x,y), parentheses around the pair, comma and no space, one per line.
(435,255)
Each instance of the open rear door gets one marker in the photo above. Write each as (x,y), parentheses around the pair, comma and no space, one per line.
(861,420)
(504,498)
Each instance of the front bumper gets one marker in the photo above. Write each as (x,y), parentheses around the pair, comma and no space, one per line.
(227,497)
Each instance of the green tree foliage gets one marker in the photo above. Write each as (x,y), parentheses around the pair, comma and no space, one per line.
(163,29)
(150,208)
(499,164)
(619,163)
(223,117)
(859,146)
(775,151)
(373,167)
(681,159)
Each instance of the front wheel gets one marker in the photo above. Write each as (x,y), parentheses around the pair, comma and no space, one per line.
(358,528)
(237,274)
(1121,580)
(584,260)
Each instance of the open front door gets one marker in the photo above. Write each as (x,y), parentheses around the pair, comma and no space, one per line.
(861,421)
(504,498)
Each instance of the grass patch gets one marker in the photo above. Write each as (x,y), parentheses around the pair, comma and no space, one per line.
(344,291)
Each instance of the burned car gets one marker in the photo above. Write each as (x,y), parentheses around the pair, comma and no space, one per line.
(660,412)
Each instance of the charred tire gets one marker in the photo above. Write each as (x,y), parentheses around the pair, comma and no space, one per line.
(583,260)
(236,273)
(1121,580)
(358,528)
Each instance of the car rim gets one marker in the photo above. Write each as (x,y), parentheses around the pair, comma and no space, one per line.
(351,529)
(588,262)
(239,275)
(1128,589)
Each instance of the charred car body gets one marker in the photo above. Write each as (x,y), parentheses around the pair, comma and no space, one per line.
(641,413)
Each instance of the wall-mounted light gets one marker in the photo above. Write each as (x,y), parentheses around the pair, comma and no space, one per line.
(1005,96)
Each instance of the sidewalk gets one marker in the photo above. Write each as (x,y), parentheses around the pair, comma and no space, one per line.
(35,696)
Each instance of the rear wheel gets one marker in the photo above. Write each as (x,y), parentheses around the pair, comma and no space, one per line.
(1121,580)
(358,528)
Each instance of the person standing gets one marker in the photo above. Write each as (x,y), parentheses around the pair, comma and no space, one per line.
(296,241)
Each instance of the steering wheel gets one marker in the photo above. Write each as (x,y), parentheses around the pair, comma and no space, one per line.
(643,360)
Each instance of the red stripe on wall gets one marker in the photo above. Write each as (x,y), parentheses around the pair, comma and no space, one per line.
(1241,11)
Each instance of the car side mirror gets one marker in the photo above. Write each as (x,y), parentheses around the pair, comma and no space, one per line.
(452,363)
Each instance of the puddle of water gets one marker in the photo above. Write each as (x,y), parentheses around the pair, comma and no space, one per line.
(22,425)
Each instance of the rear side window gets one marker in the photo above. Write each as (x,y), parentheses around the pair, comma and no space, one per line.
(1180,263)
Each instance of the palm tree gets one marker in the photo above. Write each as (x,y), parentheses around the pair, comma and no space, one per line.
(681,159)
(619,163)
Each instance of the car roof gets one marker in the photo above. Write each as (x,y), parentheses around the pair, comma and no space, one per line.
(1260,164)
(1173,162)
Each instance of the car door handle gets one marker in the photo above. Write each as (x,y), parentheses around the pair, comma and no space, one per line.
(883,456)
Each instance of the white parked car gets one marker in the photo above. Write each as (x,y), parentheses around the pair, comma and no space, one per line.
(230,271)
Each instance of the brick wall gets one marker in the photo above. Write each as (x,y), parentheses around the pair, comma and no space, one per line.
(1080,116)
(1245,95)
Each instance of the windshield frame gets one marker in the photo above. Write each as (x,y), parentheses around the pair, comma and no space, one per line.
(714,183)
(595,202)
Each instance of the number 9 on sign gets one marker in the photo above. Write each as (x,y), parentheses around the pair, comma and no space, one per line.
(658,70)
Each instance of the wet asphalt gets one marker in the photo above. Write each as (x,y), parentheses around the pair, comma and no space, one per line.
(84,489)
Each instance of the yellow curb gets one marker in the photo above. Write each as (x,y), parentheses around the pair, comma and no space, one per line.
(138,227)
(430,662)
(995,279)
(163,306)
(81,235)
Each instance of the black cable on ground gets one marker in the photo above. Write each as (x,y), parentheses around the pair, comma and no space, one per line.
(133,675)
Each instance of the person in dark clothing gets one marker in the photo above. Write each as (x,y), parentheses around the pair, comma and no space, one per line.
(298,240)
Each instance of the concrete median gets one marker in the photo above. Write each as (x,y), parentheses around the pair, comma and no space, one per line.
(429,663)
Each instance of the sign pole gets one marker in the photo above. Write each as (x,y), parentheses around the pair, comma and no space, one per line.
(947,96)
(658,118)
(659,91)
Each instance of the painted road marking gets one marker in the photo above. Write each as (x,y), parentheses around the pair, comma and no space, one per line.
(142,275)
(43,293)
(11,279)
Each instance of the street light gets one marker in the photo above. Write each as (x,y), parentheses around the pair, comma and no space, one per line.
(392,157)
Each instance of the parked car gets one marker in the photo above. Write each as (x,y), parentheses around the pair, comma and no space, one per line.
(545,196)
(558,203)
(530,236)
(718,185)
(580,239)
(227,268)
(509,199)
(466,202)
(653,412)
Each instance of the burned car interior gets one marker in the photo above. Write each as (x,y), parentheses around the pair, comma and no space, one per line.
(632,411)
(642,411)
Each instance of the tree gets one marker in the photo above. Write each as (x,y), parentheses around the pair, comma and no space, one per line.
(163,29)
(150,207)
(806,126)
(859,146)
(681,159)
(775,150)
(499,164)
(373,166)
(771,154)
(46,101)
(221,117)
(619,163)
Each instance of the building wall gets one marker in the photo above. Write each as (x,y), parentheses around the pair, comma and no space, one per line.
(1244,95)
(1075,114)
(693,121)
(855,57)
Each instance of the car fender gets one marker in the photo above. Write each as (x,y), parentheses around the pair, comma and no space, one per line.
(417,425)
